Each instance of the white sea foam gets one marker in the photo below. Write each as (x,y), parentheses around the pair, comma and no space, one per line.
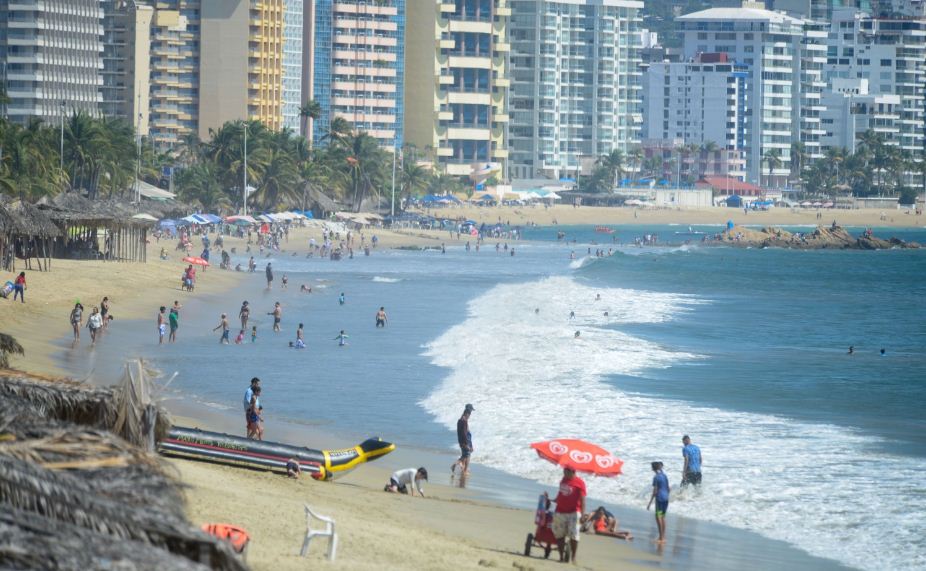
(581,262)
(384,280)
(819,487)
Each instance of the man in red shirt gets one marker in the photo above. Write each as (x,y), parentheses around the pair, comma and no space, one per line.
(570,505)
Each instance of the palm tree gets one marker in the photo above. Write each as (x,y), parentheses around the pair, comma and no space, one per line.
(363,164)
(707,150)
(613,164)
(413,178)
(636,161)
(798,156)
(772,158)
(278,181)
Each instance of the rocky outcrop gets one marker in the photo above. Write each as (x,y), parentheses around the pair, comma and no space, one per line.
(821,238)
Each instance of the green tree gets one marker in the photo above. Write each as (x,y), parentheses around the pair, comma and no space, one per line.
(613,165)
(772,158)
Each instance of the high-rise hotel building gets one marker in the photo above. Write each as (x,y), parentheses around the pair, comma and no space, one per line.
(457,82)
(240,63)
(355,66)
(292,62)
(575,83)
(51,57)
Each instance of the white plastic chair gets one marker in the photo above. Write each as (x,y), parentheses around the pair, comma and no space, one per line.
(310,533)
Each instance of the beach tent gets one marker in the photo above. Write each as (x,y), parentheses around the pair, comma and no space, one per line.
(735,201)
(167,223)
(239,219)
(194,219)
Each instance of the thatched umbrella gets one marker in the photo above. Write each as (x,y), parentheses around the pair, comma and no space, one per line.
(8,346)
(29,541)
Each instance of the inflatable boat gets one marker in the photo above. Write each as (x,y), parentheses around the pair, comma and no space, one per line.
(237,451)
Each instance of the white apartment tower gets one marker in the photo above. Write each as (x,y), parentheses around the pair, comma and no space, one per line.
(851,110)
(784,58)
(890,52)
(51,57)
(575,83)
(699,101)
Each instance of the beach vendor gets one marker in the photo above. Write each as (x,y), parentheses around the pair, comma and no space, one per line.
(401,481)
(570,506)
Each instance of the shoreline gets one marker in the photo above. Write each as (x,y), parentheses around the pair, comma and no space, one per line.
(492,544)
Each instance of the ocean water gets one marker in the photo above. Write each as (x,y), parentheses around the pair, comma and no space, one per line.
(743,349)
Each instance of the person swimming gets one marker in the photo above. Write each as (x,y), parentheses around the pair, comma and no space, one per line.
(598,297)
(341,339)
(851,350)
(883,352)
(572,315)
(578,333)
(537,311)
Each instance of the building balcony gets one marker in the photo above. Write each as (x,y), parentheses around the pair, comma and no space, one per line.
(502,47)
(445,80)
(445,116)
(447,44)
(500,153)
(502,82)
(500,118)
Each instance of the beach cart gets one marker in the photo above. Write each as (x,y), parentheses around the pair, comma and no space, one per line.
(543,533)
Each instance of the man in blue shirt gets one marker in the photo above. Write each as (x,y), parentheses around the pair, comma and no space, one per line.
(691,472)
(661,496)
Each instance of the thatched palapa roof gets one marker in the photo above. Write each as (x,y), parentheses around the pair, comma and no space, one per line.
(31,221)
(73,494)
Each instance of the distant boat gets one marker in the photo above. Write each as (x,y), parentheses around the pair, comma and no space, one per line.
(604,230)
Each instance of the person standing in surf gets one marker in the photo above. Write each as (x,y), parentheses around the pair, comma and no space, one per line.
(691,471)
(381,317)
(223,325)
(661,497)
(465,440)
(269,272)
(162,325)
(277,314)
(244,314)
(173,320)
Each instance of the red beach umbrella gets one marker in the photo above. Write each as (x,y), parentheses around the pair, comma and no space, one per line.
(196,260)
(581,455)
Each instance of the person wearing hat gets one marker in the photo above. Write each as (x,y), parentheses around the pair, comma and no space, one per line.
(570,506)
(401,481)
(465,440)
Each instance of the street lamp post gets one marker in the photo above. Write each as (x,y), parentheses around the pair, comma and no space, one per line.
(61,156)
(395,152)
(244,177)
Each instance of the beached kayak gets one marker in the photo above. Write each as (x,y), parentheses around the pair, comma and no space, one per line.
(237,451)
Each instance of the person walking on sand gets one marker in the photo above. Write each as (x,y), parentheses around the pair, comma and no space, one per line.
(19,287)
(104,312)
(255,418)
(223,325)
(381,317)
(244,314)
(277,314)
(162,324)
(465,440)
(248,393)
(173,320)
(269,272)
(570,507)
(77,317)
(691,470)
(661,497)
(94,324)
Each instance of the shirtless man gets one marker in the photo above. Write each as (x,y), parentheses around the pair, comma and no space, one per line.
(223,325)
(381,317)
(162,325)
(277,314)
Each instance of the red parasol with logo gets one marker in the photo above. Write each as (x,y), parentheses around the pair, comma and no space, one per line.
(196,260)
(581,455)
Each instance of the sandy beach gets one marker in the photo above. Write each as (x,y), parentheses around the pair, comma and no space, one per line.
(567,215)
(446,530)
(451,528)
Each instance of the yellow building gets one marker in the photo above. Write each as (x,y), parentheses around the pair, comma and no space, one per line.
(239,79)
(456,82)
